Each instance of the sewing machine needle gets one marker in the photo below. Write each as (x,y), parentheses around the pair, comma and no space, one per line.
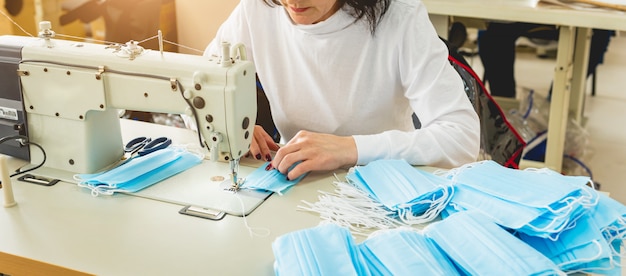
(234,168)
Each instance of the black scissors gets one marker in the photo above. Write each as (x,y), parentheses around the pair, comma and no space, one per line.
(144,145)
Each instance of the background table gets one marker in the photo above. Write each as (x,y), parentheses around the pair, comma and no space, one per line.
(572,53)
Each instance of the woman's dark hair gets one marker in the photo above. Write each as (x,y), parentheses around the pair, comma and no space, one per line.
(372,10)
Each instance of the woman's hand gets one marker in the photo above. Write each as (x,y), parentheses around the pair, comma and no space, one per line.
(262,144)
(316,152)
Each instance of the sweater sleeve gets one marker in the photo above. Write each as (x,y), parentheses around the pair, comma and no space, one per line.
(450,130)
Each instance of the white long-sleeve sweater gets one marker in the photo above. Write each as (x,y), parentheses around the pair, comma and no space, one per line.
(336,77)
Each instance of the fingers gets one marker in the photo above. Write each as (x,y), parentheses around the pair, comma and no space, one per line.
(309,151)
(262,145)
(290,168)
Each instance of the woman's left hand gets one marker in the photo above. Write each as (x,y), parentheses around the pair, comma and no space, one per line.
(315,152)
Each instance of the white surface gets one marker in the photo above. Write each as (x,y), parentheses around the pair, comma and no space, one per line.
(128,235)
(194,186)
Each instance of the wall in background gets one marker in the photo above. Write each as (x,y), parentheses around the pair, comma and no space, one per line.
(198,21)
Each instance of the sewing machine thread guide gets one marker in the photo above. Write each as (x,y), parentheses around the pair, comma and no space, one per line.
(39,180)
(202,212)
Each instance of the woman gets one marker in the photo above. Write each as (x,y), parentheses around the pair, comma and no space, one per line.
(343,78)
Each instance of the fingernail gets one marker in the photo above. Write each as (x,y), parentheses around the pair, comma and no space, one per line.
(268,158)
(258,156)
(288,178)
(269,167)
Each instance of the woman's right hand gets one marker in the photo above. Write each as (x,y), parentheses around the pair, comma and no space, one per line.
(262,144)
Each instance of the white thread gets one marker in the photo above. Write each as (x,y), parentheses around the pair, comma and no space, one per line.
(100,41)
(260,232)
(183,46)
(96,40)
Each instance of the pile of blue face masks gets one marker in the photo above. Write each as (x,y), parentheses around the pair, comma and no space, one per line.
(465,244)
(544,202)
(478,246)
(140,172)
(404,252)
(417,196)
(325,250)
(367,200)
(330,250)
(582,248)
(575,227)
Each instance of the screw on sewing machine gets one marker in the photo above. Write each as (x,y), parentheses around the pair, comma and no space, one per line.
(100,72)
(198,102)
(246,123)
(174,84)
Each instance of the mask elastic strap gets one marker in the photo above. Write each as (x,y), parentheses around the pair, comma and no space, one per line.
(547,228)
(436,207)
(553,233)
(452,174)
(355,207)
(570,201)
(352,208)
(585,260)
(613,233)
(99,189)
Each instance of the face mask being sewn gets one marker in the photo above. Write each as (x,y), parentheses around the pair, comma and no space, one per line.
(272,180)
(480,247)
(140,172)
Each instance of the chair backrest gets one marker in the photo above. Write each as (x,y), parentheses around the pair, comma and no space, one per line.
(499,141)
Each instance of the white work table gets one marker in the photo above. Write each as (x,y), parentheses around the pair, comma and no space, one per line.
(572,57)
(65,226)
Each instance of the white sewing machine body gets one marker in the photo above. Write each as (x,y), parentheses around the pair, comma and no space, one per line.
(71,93)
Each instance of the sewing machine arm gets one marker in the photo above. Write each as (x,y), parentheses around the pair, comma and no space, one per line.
(70,93)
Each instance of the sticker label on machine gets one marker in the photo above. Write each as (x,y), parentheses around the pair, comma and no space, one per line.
(8,113)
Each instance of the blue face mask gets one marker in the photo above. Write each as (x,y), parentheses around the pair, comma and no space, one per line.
(272,180)
(547,202)
(323,250)
(581,249)
(404,252)
(140,172)
(478,246)
(417,196)
(610,216)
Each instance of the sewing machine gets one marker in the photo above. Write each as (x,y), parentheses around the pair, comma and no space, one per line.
(65,96)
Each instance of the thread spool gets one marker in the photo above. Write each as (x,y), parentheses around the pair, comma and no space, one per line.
(7,188)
